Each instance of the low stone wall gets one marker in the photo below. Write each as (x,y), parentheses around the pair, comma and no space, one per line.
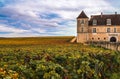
(108,45)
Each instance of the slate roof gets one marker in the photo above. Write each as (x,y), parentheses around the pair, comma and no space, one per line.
(102,19)
(82,15)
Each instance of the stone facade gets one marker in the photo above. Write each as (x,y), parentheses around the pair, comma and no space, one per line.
(98,28)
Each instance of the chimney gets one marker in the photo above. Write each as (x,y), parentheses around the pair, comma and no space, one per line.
(91,16)
(101,14)
(115,13)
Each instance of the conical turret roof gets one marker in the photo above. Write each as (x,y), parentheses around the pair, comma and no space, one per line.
(82,15)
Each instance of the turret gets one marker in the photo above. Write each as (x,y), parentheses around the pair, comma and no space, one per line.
(82,27)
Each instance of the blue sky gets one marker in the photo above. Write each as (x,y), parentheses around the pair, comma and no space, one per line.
(23,18)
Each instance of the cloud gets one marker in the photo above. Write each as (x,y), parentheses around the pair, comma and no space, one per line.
(47,17)
(4,28)
(9,31)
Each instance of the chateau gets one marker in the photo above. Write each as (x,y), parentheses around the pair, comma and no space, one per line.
(103,27)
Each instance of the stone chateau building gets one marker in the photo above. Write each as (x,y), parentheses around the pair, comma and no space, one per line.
(104,27)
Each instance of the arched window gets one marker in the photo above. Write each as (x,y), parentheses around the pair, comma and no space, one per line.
(108,21)
(94,22)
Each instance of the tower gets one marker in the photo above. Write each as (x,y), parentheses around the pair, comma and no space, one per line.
(82,28)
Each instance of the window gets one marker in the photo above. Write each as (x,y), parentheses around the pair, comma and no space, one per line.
(94,22)
(114,30)
(92,38)
(108,21)
(108,30)
(98,38)
(94,30)
(82,30)
(81,21)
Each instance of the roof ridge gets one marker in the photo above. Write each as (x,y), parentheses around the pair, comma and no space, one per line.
(105,14)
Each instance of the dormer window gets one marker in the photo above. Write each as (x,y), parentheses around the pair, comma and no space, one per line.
(94,22)
(108,21)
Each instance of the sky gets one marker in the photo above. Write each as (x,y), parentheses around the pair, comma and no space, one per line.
(28,18)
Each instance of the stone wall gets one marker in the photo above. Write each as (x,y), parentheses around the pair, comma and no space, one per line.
(102,34)
(113,46)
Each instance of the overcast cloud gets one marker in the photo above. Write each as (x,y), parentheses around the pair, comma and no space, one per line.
(47,17)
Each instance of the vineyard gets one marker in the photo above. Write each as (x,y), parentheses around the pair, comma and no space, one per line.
(56,58)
